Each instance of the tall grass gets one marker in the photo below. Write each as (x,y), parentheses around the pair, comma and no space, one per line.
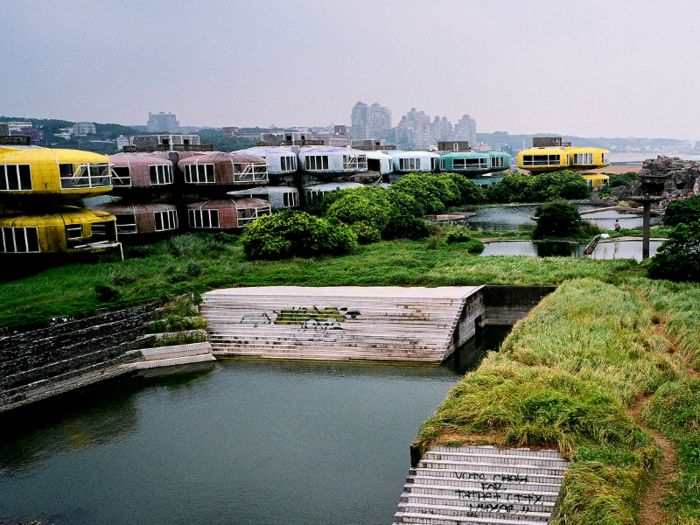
(565,378)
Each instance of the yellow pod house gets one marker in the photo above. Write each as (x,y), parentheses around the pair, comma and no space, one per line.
(551,154)
(27,172)
(60,230)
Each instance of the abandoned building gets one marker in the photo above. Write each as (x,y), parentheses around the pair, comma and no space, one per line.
(153,220)
(224,169)
(140,170)
(226,214)
(551,154)
(328,161)
(279,197)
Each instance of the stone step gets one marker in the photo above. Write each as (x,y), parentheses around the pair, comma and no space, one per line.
(488,449)
(496,459)
(301,339)
(474,474)
(331,356)
(309,349)
(494,468)
(458,506)
(423,519)
(457,483)
(492,494)
(481,510)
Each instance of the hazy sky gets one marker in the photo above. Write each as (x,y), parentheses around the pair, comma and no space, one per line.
(589,68)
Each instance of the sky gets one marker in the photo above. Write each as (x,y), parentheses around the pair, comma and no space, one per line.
(598,68)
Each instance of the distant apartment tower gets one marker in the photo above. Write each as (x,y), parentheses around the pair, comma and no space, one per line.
(80,129)
(465,129)
(162,122)
(414,131)
(369,122)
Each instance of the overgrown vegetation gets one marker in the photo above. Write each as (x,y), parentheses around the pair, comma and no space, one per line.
(519,187)
(558,219)
(621,179)
(296,234)
(678,259)
(682,211)
(566,378)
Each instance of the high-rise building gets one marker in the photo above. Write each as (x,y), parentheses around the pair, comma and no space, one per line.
(162,122)
(369,122)
(465,129)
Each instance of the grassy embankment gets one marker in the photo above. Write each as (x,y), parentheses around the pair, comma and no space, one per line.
(569,376)
(198,263)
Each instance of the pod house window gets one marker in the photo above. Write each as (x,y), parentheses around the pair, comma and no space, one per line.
(15,177)
(290,199)
(160,174)
(409,164)
(74,232)
(86,176)
(316,162)
(165,220)
(126,223)
(288,163)
(583,158)
(604,158)
(199,173)
(497,162)
(102,231)
(204,218)
(541,160)
(469,164)
(19,240)
(121,176)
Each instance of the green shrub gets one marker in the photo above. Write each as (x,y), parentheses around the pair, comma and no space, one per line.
(474,246)
(518,187)
(682,211)
(193,269)
(456,236)
(557,219)
(366,233)
(469,191)
(621,179)
(406,227)
(296,234)
(433,193)
(678,259)
(368,205)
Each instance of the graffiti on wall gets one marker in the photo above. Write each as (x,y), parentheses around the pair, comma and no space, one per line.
(307,318)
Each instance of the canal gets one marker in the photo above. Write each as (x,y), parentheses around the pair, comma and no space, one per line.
(234,441)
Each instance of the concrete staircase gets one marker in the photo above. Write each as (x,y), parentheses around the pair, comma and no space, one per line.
(482,486)
(341,323)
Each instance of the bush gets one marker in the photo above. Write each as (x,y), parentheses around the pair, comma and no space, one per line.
(682,211)
(469,191)
(366,233)
(368,205)
(557,219)
(518,187)
(433,193)
(406,227)
(456,236)
(621,179)
(193,269)
(296,234)
(678,259)
(474,246)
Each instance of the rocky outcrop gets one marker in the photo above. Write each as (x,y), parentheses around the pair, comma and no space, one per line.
(678,174)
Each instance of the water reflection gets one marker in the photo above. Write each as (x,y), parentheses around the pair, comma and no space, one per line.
(616,249)
(93,416)
(519,217)
(285,443)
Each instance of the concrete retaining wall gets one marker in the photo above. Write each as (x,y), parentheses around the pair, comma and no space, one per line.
(40,363)
(506,305)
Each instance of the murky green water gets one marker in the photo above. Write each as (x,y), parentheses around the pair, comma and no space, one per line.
(233,442)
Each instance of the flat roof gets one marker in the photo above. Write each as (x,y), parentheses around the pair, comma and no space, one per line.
(418,292)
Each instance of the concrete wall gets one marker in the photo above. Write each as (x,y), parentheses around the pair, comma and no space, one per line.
(41,363)
(506,305)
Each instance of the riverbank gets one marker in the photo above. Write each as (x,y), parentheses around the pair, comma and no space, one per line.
(594,371)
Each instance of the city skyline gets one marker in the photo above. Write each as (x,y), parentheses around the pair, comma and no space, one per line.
(578,68)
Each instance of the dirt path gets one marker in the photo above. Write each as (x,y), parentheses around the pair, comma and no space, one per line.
(651,512)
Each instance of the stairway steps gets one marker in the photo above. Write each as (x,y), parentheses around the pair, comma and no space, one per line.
(482,485)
